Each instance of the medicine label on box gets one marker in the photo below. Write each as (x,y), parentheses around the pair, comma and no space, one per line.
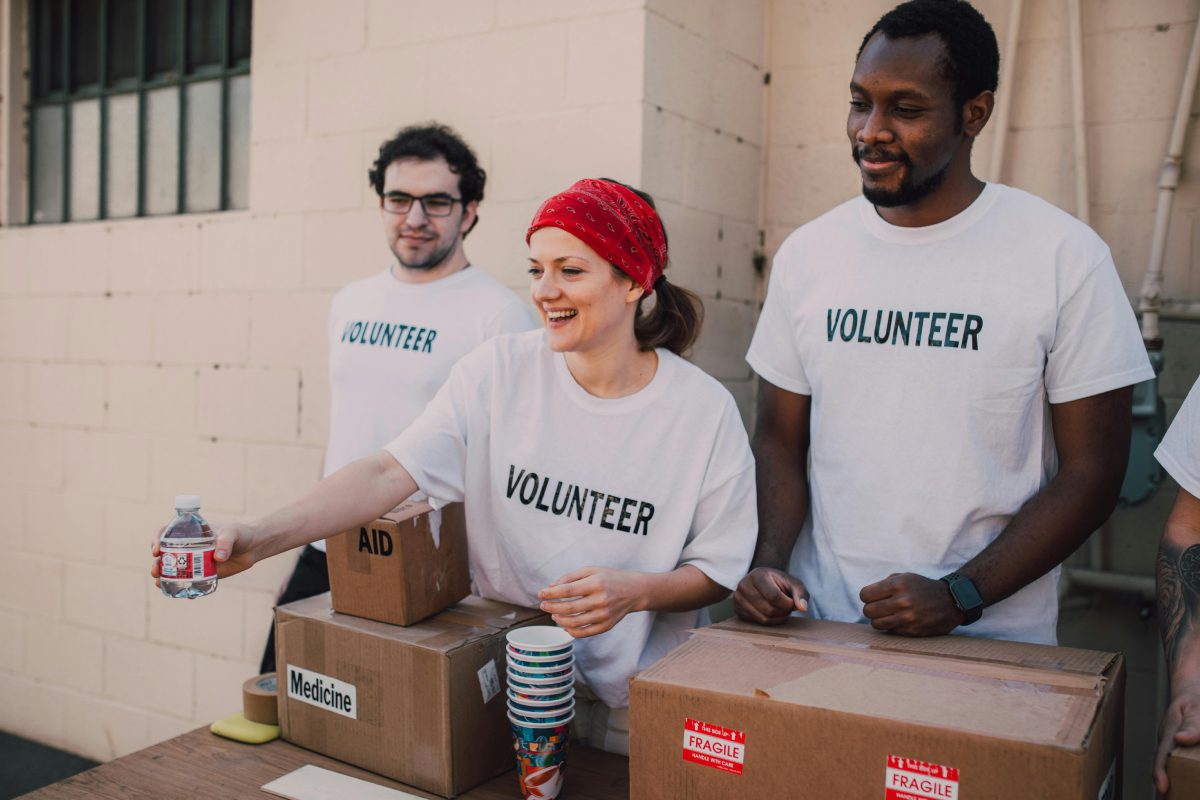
(910,779)
(322,691)
(714,746)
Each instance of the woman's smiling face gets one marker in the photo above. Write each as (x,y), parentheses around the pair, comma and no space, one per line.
(584,303)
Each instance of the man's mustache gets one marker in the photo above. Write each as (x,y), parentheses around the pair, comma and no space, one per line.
(877,155)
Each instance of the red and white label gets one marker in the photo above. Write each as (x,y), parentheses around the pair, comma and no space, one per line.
(189,565)
(714,746)
(909,779)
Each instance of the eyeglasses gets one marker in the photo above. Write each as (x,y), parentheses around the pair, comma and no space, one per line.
(434,205)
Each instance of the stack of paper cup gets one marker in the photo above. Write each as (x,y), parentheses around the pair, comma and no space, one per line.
(541,705)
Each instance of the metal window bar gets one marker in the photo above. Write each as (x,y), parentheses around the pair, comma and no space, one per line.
(43,94)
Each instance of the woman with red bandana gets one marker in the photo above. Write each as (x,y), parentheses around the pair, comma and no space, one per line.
(605,479)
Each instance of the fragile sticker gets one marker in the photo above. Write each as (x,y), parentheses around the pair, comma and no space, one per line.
(714,746)
(909,779)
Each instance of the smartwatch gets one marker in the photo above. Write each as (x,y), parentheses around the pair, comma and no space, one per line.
(966,597)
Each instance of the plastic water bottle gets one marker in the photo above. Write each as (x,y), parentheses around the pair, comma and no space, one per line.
(188,563)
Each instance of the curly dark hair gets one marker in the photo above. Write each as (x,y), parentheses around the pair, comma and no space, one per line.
(428,142)
(972,61)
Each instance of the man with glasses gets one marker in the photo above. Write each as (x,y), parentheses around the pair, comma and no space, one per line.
(395,335)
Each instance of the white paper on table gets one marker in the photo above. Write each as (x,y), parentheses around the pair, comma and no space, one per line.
(316,783)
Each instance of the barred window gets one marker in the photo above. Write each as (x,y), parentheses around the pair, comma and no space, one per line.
(138,108)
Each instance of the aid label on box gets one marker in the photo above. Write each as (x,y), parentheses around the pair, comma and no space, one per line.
(909,779)
(714,746)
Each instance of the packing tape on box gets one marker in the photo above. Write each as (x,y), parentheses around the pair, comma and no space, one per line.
(259,703)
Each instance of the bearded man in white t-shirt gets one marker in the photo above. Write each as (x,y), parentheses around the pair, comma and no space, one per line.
(394,336)
(946,368)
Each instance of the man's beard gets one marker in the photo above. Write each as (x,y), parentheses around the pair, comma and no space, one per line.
(433,260)
(908,192)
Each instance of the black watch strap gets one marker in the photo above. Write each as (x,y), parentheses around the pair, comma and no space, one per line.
(966,596)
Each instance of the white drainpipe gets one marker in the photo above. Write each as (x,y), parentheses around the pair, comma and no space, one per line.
(1168,180)
(1075,23)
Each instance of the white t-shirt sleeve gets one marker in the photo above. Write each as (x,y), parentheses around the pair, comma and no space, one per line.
(434,447)
(725,524)
(513,318)
(1179,452)
(774,351)
(1097,347)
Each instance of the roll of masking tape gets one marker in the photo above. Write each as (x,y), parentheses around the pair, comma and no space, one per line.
(259,703)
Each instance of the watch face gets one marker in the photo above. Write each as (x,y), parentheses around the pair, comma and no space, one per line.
(966,593)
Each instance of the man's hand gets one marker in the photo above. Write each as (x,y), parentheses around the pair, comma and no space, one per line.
(1180,728)
(592,600)
(235,550)
(769,596)
(911,605)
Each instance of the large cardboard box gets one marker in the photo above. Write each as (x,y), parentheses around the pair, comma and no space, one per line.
(829,710)
(1183,772)
(409,564)
(424,704)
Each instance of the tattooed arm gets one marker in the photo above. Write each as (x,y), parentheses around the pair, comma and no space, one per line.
(1179,621)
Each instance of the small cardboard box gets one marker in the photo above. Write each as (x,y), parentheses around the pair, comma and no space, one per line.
(409,564)
(423,704)
(825,709)
(1183,773)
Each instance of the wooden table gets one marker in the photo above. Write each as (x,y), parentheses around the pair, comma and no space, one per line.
(200,765)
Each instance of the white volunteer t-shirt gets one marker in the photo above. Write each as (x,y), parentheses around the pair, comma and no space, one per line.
(1179,451)
(392,344)
(555,479)
(930,355)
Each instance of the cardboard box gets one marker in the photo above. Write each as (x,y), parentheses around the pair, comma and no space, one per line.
(824,709)
(424,704)
(406,566)
(1183,773)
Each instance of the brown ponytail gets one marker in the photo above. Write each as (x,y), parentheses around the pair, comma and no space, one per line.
(673,321)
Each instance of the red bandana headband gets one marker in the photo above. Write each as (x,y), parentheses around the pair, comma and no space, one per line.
(613,221)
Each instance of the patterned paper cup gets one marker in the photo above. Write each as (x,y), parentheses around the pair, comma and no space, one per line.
(541,752)
(552,671)
(540,640)
(538,658)
(552,717)
(556,708)
(521,683)
(530,663)
(531,697)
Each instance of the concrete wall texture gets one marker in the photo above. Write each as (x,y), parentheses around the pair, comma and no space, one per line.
(141,358)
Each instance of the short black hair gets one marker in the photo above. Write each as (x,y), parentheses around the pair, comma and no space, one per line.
(972,62)
(429,142)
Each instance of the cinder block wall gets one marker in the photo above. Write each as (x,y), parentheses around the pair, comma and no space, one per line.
(142,358)
(702,155)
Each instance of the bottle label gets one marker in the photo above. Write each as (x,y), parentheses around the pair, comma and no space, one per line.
(186,565)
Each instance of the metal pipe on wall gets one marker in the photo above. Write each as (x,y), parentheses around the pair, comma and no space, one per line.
(1075,25)
(1168,180)
(1008,64)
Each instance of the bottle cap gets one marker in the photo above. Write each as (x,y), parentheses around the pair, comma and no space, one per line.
(187,502)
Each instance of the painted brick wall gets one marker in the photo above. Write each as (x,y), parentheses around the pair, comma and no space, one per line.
(143,358)
(702,159)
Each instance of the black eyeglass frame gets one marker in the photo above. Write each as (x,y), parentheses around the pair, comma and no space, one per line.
(412,198)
